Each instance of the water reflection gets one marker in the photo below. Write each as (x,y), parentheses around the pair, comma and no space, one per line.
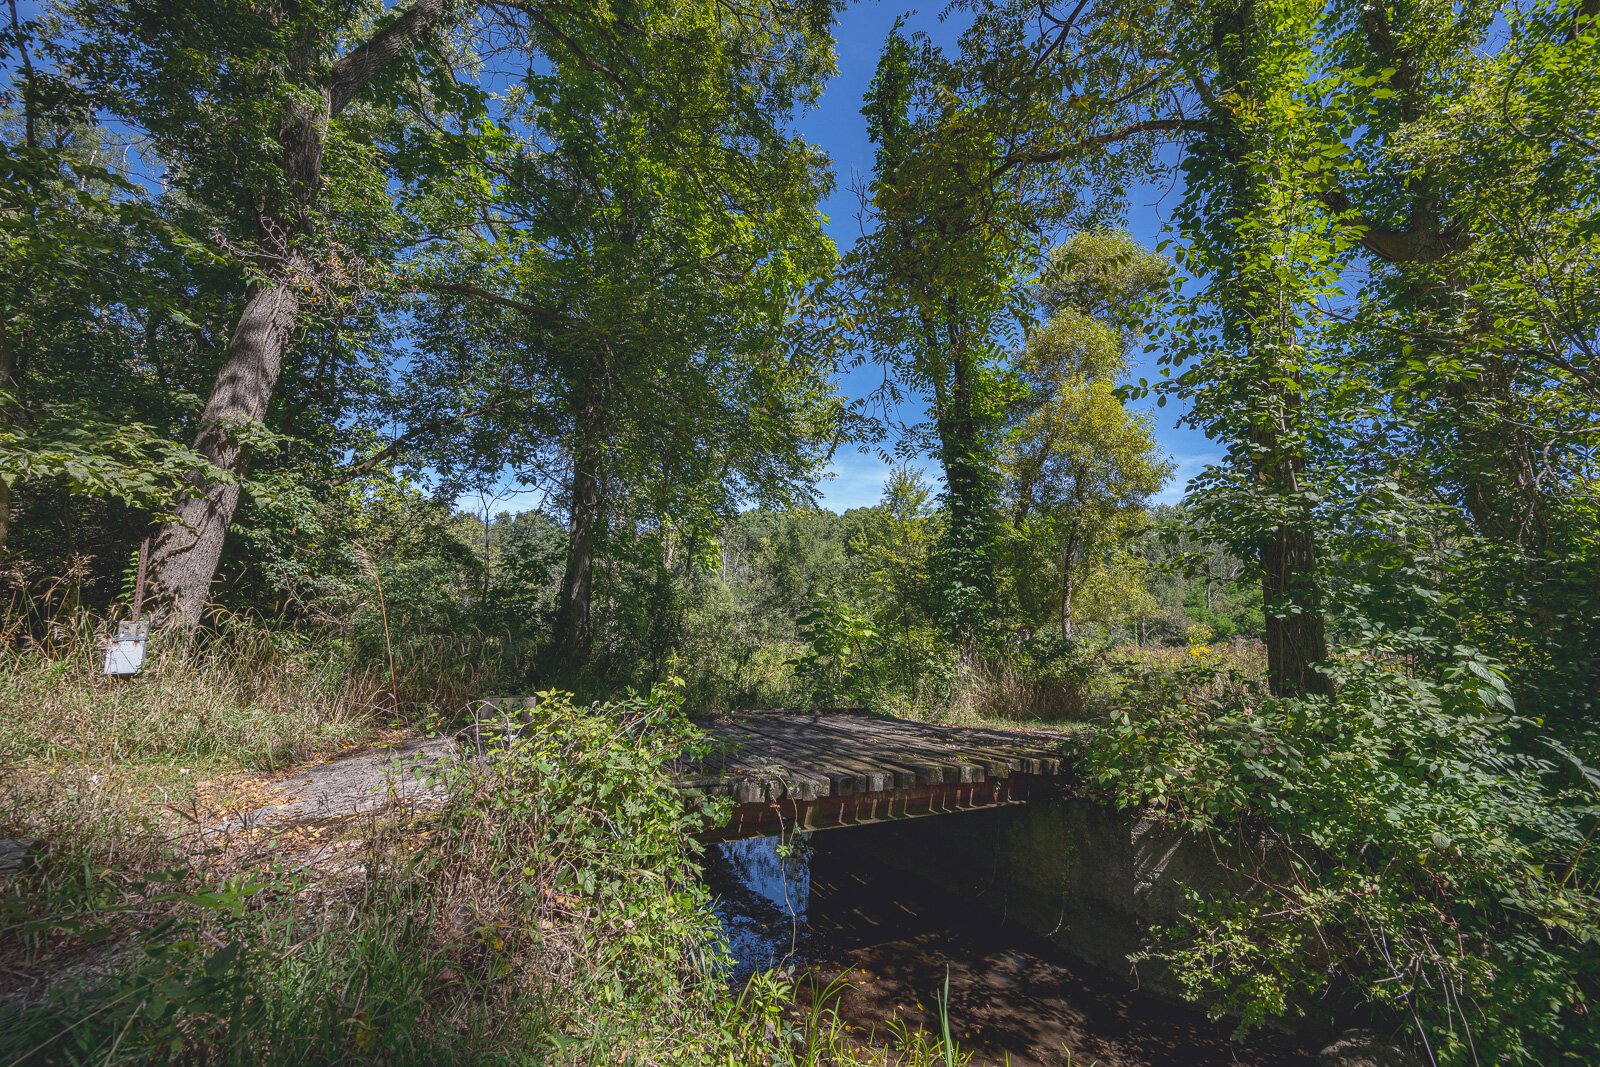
(822,907)
(763,887)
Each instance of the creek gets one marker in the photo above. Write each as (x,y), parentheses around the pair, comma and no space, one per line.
(822,907)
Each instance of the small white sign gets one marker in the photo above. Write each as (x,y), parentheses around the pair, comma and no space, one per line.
(125,655)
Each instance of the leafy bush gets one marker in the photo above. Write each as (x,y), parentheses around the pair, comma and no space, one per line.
(1436,852)
(834,665)
(550,912)
(574,825)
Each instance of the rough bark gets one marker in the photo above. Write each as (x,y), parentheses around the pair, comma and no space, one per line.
(187,550)
(8,383)
(573,636)
(1291,595)
(1296,636)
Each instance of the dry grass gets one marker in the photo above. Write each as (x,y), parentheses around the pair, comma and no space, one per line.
(1000,692)
(249,701)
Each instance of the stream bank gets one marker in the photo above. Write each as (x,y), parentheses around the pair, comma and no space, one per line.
(843,905)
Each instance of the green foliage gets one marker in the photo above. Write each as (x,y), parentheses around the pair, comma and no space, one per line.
(834,665)
(1430,851)
(130,463)
(578,807)
(938,282)
(84,266)
(609,279)
(1079,465)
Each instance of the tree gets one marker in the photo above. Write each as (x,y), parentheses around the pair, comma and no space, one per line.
(64,346)
(635,262)
(1089,98)
(1469,353)
(245,101)
(891,550)
(938,279)
(1268,251)
(1445,162)
(1079,465)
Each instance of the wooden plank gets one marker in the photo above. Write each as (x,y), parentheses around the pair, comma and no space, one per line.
(881,734)
(882,751)
(782,781)
(875,735)
(777,745)
(871,776)
(770,757)
(1029,758)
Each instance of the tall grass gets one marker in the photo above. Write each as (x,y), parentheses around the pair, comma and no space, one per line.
(550,912)
(249,699)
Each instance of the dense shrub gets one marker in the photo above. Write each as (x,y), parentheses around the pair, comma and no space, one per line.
(1438,860)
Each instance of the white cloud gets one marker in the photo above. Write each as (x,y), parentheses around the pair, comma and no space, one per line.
(856,480)
(1188,466)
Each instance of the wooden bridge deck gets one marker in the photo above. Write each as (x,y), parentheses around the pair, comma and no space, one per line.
(787,770)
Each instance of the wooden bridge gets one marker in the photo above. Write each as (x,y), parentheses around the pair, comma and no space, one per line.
(815,770)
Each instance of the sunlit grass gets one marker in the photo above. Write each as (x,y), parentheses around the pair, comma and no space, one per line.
(250,701)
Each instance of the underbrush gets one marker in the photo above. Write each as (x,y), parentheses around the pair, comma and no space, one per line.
(1439,869)
(550,911)
(248,699)
(1075,682)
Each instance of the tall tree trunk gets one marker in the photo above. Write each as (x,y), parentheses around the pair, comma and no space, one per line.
(184,560)
(1491,452)
(1291,596)
(1495,464)
(8,384)
(969,541)
(1296,635)
(1068,584)
(573,636)
(1263,325)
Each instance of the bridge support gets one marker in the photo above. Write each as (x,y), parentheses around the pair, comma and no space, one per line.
(778,817)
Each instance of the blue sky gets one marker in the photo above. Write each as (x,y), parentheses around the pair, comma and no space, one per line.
(838,127)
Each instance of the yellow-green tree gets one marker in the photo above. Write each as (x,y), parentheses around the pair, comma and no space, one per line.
(1080,466)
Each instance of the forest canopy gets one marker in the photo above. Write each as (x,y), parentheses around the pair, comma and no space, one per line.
(286,287)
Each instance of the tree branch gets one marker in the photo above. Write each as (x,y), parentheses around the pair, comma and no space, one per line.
(1121,133)
(355,71)
(1414,244)
(399,444)
(488,296)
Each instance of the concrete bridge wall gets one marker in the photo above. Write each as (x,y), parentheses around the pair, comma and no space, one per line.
(1095,881)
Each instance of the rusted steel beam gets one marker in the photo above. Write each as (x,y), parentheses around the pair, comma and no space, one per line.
(763,818)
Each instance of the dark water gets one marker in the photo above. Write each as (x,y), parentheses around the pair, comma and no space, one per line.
(829,912)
